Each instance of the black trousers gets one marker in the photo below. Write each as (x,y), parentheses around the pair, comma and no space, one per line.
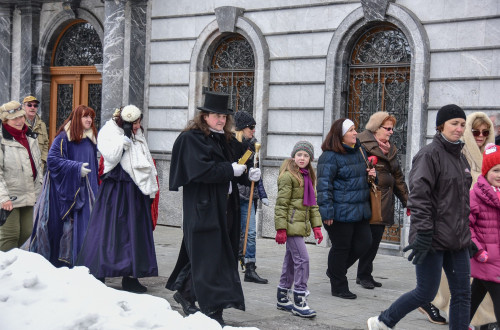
(478,291)
(365,265)
(350,240)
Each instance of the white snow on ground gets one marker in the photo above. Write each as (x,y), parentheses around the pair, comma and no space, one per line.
(36,295)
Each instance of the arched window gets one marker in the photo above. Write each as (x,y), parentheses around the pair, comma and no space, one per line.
(379,80)
(74,76)
(232,71)
(79,46)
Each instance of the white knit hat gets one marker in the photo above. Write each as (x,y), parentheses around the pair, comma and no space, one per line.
(130,113)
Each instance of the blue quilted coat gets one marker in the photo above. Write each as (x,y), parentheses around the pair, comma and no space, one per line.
(342,188)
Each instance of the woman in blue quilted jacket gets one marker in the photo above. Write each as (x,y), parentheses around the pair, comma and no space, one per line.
(344,202)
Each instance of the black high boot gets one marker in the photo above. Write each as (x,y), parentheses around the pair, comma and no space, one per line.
(217,316)
(251,275)
(132,284)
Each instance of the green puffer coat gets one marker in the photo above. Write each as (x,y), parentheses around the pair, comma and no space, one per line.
(290,213)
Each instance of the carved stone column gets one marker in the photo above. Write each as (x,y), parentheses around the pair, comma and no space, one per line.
(30,29)
(137,71)
(5,52)
(113,57)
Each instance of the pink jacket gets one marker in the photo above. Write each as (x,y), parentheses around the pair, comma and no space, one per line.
(485,230)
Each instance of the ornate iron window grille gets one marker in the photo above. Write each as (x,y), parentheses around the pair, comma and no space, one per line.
(232,72)
(79,46)
(379,80)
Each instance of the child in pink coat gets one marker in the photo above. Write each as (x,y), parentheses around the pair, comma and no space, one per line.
(485,232)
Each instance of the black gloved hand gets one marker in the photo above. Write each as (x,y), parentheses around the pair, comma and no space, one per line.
(472,249)
(127,129)
(421,246)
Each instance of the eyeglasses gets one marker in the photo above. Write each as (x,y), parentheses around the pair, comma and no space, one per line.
(388,129)
(252,127)
(477,132)
(32,105)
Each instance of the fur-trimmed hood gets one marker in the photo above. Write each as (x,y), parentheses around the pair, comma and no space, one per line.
(471,151)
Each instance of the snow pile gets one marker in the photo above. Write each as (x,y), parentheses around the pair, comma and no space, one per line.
(36,295)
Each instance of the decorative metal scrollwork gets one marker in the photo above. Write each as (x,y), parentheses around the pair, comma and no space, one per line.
(94,101)
(379,80)
(79,46)
(232,72)
(64,102)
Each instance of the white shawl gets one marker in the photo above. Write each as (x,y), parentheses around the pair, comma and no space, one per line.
(136,161)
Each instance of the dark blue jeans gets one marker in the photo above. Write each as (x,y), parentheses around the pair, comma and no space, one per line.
(456,265)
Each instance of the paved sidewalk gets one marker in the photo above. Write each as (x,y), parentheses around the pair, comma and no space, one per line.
(396,274)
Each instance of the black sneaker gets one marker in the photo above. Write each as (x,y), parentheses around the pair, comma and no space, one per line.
(375,283)
(432,313)
(131,284)
(367,284)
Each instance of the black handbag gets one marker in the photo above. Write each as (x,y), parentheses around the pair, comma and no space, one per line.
(4,214)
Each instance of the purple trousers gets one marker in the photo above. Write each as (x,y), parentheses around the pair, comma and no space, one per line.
(295,265)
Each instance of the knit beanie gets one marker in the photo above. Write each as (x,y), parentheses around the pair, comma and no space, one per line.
(491,157)
(304,146)
(448,112)
(376,120)
(243,119)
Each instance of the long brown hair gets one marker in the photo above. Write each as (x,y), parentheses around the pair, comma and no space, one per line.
(333,140)
(76,127)
(199,122)
(291,166)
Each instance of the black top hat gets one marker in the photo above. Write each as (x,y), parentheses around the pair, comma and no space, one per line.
(216,102)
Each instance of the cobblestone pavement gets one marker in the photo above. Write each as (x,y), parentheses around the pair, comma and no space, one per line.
(396,274)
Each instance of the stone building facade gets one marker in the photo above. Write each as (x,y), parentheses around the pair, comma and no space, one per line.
(296,65)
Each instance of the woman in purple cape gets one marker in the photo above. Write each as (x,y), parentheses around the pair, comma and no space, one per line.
(63,209)
(119,239)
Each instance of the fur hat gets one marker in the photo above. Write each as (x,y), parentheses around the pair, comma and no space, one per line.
(304,146)
(130,113)
(448,112)
(243,119)
(491,157)
(11,110)
(376,120)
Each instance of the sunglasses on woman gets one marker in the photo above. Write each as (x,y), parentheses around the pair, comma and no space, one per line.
(252,127)
(388,129)
(477,132)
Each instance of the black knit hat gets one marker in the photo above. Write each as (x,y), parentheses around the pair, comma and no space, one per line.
(448,112)
(243,119)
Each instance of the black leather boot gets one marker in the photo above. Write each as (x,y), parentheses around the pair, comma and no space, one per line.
(251,275)
(131,284)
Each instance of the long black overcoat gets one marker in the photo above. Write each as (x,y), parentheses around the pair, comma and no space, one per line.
(210,244)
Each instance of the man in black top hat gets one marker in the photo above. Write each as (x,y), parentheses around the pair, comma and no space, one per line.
(203,162)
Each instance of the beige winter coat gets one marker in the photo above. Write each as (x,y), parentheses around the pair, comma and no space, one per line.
(16,176)
(471,151)
(43,138)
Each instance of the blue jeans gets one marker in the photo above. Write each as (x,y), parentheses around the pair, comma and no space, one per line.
(456,265)
(250,252)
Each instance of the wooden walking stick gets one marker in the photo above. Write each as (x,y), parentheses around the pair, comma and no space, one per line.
(255,160)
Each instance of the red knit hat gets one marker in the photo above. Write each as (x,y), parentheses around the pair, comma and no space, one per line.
(491,157)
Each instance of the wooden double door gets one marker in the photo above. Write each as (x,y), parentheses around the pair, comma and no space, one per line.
(70,87)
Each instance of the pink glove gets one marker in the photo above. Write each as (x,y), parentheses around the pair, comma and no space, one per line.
(373,160)
(408,213)
(481,256)
(317,234)
(281,236)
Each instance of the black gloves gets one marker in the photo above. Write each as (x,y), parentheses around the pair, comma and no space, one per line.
(421,246)
(473,249)
(127,129)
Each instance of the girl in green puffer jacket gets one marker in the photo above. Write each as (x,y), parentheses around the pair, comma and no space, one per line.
(295,213)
